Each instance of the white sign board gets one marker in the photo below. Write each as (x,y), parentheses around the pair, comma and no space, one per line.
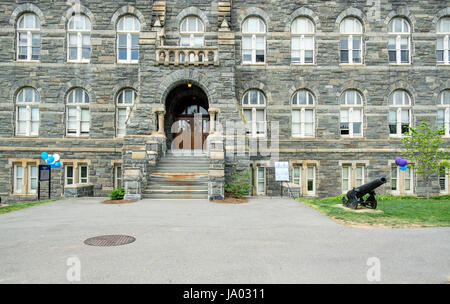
(282,171)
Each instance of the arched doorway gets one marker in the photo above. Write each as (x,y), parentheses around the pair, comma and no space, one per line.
(187,117)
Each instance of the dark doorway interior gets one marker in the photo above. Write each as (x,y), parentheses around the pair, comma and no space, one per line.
(183,104)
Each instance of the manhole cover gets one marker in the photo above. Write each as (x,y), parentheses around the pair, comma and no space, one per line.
(110,240)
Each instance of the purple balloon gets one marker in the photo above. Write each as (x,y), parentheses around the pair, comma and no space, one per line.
(398,160)
(403,163)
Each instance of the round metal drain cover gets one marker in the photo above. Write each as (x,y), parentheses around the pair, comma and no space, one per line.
(110,240)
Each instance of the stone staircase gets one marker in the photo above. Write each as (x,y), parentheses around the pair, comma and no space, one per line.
(179,175)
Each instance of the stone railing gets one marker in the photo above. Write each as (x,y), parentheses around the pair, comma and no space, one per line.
(183,55)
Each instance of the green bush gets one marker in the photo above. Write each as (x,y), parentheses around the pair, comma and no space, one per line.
(239,185)
(117,194)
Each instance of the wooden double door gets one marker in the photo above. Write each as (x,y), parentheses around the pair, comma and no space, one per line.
(190,131)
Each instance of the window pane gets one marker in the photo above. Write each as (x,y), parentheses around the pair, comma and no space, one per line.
(344,56)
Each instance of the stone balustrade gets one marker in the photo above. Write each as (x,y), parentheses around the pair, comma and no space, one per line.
(183,55)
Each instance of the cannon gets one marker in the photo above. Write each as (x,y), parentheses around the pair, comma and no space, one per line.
(356,195)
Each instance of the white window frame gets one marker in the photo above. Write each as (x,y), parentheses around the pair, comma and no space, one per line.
(308,106)
(129,33)
(358,32)
(402,175)
(80,177)
(29,32)
(350,108)
(442,106)
(191,35)
(363,179)
(444,35)
(348,187)
(302,35)
(398,40)
(30,178)
(298,168)
(308,178)
(122,105)
(261,105)
(29,106)
(258,190)
(118,181)
(16,178)
(79,106)
(85,31)
(399,108)
(253,36)
(66,178)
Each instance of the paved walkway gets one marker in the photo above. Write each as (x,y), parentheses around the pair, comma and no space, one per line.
(264,241)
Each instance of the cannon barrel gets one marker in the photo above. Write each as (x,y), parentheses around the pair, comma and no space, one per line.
(367,188)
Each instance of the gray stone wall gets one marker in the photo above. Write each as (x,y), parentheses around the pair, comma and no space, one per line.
(224,85)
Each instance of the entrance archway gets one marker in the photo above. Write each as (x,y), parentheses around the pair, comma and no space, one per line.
(187,118)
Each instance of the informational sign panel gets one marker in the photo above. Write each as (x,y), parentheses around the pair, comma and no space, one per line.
(282,171)
(44,173)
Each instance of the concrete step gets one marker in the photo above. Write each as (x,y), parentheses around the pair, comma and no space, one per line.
(181,169)
(175,196)
(181,172)
(177,186)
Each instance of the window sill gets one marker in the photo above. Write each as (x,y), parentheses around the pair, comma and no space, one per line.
(400,64)
(28,61)
(26,136)
(351,65)
(128,63)
(302,138)
(443,64)
(303,64)
(254,64)
(78,62)
(77,136)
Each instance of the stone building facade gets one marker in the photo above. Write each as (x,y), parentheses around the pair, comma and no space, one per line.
(101,82)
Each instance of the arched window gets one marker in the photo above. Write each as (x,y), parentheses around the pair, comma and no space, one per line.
(79,39)
(443,41)
(28,37)
(78,113)
(399,113)
(399,45)
(254,111)
(352,114)
(351,45)
(125,101)
(302,33)
(192,32)
(27,112)
(303,116)
(253,40)
(443,119)
(128,29)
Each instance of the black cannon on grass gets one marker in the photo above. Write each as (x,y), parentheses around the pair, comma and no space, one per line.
(356,196)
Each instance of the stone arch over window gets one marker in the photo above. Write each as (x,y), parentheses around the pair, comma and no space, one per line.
(26,8)
(128,10)
(78,10)
(403,86)
(303,12)
(445,12)
(355,13)
(401,12)
(192,11)
(254,12)
(64,92)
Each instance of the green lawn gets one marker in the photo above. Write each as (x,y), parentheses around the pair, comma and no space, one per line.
(18,206)
(397,211)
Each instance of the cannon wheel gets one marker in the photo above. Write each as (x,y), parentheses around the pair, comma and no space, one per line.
(353,204)
(373,204)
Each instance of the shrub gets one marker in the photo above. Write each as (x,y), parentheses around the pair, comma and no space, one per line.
(117,194)
(239,185)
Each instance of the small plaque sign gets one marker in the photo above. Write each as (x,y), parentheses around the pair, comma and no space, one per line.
(44,173)
(282,171)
